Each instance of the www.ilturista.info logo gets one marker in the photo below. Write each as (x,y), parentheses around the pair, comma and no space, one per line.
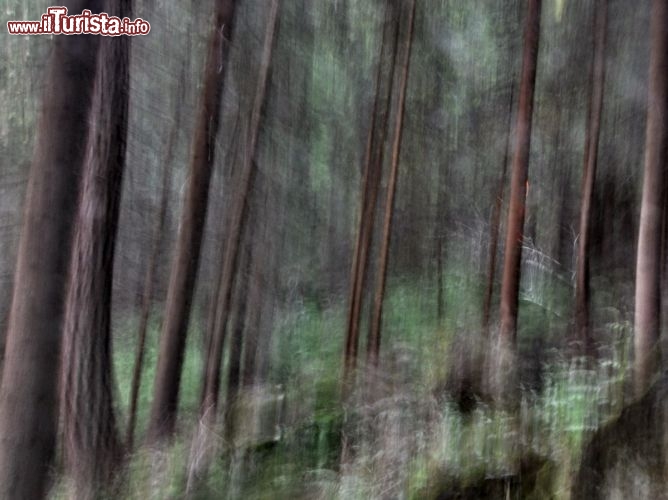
(57,22)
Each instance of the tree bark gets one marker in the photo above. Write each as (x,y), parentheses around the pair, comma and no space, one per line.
(370,185)
(91,445)
(495,222)
(648,265)
(252,338)
(373,345)
(28,393)
(237,341)
(239,214)
(262,288)
(519,176)
(187,254)
(152,266)
(597,78)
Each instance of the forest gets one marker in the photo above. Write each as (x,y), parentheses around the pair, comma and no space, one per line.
(336,249)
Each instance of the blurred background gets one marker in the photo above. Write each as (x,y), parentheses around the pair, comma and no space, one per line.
(321,395)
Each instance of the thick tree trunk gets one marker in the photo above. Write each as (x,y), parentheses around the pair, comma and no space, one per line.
(28,393)
(151,269)
(91,445)
(648,266)
(193,217)
(238,219)
(519,176)
(373,344)
(371,180)
(597,78)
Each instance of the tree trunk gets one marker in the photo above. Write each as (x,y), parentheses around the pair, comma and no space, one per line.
(152,266)
(239,214)
(370,184)
(237,341)
(91,445)
(28,393)
(582,323)
(519,177)
(373,345)
(648,266)
(186,260)
(495,222)
(440,295)
(252,338)
(214,292)
(262,287)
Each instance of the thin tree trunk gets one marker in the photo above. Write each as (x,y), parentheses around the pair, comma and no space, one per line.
(230,160)
(648,267)
(237,339)
(370,185)
(582,322)
(236,228)
(261,288)
(91,443)
(152,266)
(495,222)
(440,296)
(252,337)
(193,217)
(28,393)
(373,345)
(519,176)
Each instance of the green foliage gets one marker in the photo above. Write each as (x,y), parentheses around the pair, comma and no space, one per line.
(124,359)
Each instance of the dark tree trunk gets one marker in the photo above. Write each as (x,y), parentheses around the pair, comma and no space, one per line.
(373,345)
(252,338)
(262,288)
(440,295)
(212,311)
(237,338)
(648,266)
(152,267)
(370,185)
(519,177)
(187,253)
(239,214)
(28,394)
(582,323)
(91,445)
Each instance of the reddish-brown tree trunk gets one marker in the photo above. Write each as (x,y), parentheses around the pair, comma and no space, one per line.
(371,180)
(597,78)
(519,176)
(90,438)
(239,214)
(648,265)
(187,253)
(373,345)
(495,222)
(28,393)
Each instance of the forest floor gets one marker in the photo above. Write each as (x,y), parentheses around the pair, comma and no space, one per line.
(415,438)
